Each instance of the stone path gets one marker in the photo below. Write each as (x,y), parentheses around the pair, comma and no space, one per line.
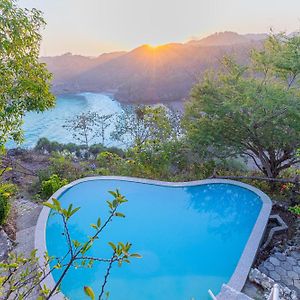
(284,268)
(28,213)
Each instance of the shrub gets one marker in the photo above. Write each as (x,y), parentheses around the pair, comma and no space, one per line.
(295,209)
(117,151)
(44,144)
(113,164)
(6,192)
(64,167)
(96,149)
(232,165)
(109,160)
(50,186)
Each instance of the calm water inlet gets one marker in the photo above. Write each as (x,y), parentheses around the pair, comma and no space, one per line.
(191,238)
(49,124)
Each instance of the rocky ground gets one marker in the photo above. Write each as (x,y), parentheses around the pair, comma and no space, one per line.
(278,263)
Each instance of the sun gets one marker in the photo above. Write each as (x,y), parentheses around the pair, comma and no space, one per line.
(152,46)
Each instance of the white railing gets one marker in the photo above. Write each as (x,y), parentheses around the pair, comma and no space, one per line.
(213,297)
(274,293)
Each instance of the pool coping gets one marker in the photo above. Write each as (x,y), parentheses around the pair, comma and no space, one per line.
(240,274)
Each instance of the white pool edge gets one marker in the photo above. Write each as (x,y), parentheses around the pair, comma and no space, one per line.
(240,274)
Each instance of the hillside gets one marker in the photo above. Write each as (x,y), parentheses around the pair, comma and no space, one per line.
(148,74)
(228,38)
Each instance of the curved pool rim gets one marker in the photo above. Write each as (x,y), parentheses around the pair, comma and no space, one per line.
(240,274)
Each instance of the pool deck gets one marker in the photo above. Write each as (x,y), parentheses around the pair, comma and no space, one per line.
(242,269)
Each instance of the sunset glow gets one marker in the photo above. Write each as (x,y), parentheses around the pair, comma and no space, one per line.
(153,47)
(96,26)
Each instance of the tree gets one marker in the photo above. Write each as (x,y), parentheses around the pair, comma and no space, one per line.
(88,126)
(253,110)
(152,136)
(104,122)
(24,81)
(83,127)
(141,125)
(131,127)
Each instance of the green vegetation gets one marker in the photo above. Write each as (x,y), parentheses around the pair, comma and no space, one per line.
(7,190)
(25,82)
(239,113)
(83,127)
(50,186)
(251,111)
(20,285)
(295,209)
(73,150)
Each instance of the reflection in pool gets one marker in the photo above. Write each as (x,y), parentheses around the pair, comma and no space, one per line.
(191,238)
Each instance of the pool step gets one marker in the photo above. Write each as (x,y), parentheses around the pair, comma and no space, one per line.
(229,293)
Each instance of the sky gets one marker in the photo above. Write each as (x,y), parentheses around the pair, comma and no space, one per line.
(92,27)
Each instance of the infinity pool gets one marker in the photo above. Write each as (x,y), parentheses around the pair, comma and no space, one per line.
(191,237)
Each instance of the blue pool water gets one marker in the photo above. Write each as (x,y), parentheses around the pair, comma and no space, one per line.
(191,238)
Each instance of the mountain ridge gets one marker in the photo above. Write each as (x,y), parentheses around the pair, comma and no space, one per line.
(148,74)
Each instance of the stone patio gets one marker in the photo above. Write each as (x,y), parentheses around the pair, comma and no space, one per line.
(284,268)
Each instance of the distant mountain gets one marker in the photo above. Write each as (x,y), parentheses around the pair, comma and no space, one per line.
(228,38)
(68,65)
(149,74)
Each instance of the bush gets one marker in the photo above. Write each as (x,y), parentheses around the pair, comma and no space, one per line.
(112,164)
(117,151)
(6,192)
(295,210)
(232,165)
(80,151)
(50,186)
(110,160)
(44,144)
(96,149)
(64,167)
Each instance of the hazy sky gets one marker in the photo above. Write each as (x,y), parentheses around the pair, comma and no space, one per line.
(91,27)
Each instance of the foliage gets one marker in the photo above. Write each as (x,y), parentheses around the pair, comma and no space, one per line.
(64,167)
(112,164)
(140,125)
(87,126)
(24,81)
(239,112)
(79,151)
(295,209)
(45,145)
(95,149)
(163,165)
(103,122)
(82,127)
(50,186)
(20,275)
(7,190)
(231,165)
(155,147)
